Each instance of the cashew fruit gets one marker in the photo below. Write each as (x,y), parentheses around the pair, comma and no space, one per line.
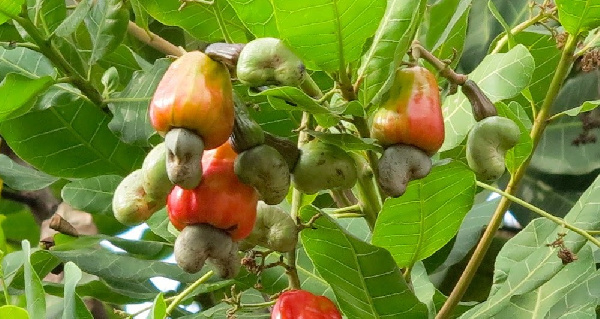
(195,93)
(131,206)
(411,112)
(487,144)
(220,199)
(263,168)
(198,243)
(268,61)
(154,174)
(302,304)
(481,105)
(399,165)
(184,157)
(323,166)
(274,229)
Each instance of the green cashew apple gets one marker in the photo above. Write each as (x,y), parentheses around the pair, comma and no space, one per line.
(184,157)
(480,103)
(131,205)
(155,179)
(399,165)
(201,242)
(487,144)
(263,168)
(268,61)
(323,166)
(274,229)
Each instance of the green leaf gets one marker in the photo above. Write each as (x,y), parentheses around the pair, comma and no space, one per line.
(107,24)
(128,293)
(500,76)
(327,34)
(9,8)
(391,41)
(417,224)
(19,92)
(65,135)
(72,302)
(21,177)
(257,16)
(577,16)
(293,100)
(526,263)
(141,16)
(41,262)
(34,292)
(92,195)
(520,153)
(198,19)
(347,142)
(250,296)
(579,301)
(26,62)
(159,224)
(364,278)
(130,107)
(13,312)
(46,15)
(126,62)
(70,24)
(424,289)
(555,153)
(159,308)
(585,107)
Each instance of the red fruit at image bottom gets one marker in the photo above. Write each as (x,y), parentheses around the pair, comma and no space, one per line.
(301,304)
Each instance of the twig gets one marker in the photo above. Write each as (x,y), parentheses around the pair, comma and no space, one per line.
(154,40)
(444,69)
(181,296)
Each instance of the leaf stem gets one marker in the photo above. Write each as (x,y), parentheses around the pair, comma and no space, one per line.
(542,213)
(539,125)
(47,48)
(181,296)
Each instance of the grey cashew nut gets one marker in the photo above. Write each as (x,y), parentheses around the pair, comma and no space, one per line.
(399,165)
(201,242)
(184,157)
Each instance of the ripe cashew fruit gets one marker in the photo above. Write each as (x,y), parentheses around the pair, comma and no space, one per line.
(487,144)
(274,229)
(302,304)
(399,165)
(220,199)
(481,105)
(411,112)
(154,174)
(195,93)
(323,166)
(263,168)
(268,61)
(201,242)
(131,206)
(184,157)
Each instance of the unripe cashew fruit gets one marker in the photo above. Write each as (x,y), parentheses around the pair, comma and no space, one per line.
(263,168)
(399,165)
(267,61)
(480,103)
(154,174)
(487,144)
(274,229)
(131,206)
(194,93)
(323,166)
(184,157)
(200,242)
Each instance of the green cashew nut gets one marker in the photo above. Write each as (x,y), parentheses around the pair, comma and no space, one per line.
(399,165)
(274,229)
(267,61)
(184,157)
(323,166)
(201,242)
(154,174)
(487,144)
(131,205)
(263,168)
